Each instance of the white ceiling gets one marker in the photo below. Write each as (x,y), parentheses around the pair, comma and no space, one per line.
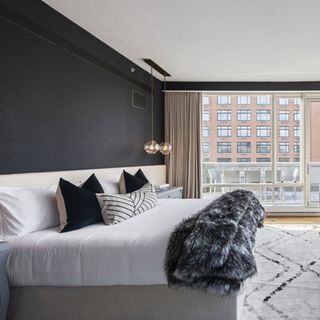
(209,40)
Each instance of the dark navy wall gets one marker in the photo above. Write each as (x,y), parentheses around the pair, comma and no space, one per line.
(65,96)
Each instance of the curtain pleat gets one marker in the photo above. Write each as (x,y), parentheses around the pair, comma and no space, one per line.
(182,130)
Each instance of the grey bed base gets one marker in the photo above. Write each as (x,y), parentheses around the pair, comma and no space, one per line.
(153,302)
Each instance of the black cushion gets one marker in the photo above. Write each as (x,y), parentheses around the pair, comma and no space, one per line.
(130,183)
(81,203)
(93,184)
(140,175)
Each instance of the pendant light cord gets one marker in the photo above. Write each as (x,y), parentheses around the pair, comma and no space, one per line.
(151,103)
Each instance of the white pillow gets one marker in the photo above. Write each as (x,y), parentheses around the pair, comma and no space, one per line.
(25,210)
(110,186)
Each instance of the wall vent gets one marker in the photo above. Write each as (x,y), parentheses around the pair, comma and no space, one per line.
(139,100)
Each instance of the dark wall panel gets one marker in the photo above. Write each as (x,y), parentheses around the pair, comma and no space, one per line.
(66,96)
(30,101)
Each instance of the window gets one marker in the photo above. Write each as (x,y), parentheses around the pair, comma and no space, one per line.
(244,147)
(243,99)
(283,147)
(224,100)
(296,160)
(283,131)
(263,147)
(205,131)
(205,147)
(244,115)
(244,131)
(283,101)
(263,159)
(264,131)
(296,147)
(296,132)
(205,100)
(297,101)
(224,115)
(224,159)
(283,159)
(263,115)
(296,116)
(206,115)
(283,115)
(244,160)
(263,100)
(224,131)
(224,147)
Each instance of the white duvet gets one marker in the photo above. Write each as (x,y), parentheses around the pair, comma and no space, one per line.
(129,253)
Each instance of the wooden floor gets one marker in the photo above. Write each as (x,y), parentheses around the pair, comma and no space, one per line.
(292,220)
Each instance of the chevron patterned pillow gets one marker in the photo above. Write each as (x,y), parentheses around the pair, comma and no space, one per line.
(116,208)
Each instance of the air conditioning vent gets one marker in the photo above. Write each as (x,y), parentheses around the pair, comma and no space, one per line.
(139,100)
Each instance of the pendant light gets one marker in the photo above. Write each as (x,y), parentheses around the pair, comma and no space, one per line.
(165,147)
(151,147)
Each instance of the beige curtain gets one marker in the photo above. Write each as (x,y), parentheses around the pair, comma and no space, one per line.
(182,130)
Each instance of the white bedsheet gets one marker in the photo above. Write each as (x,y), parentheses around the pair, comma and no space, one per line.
(129,253)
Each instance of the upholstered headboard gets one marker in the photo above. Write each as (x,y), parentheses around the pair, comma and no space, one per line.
(156,174)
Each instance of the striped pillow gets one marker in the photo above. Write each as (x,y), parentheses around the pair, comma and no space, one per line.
(116,208)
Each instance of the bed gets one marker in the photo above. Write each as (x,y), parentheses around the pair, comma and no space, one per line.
(106,272)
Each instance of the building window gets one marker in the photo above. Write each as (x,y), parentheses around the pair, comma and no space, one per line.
(224,159)
(296,116)
(205,147)
(283,101)
(296,147)
(224,115)
(263,100)
(244,147)
(263,147)
(283,147)
(263,131)
(283,159)
(224,131)
(244,99)
(244,115)
(263,115)
(296,132)
(205,100)
(244,131)
(296,160)
(283,115)
(205,131)
(283,131)
(224,100)
(263,159)
(297,101)
(224,147)
(243,159)
(206,115)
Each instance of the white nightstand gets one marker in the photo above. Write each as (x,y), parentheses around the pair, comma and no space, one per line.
(4,287)
(170,193)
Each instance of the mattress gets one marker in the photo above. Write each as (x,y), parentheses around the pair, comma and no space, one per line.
(129,253)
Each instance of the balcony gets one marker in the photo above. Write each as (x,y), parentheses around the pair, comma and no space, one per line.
(286,190)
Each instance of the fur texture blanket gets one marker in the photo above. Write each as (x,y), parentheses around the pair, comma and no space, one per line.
(212,250)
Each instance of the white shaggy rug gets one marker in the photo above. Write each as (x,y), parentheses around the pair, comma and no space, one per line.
(287,285)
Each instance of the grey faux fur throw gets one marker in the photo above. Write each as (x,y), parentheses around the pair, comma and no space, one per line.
(212,250)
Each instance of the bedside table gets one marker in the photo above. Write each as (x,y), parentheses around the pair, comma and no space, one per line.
(4,287)
(170,193)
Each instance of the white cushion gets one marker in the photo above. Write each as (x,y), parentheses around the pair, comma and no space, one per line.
(25,210)
(110,186)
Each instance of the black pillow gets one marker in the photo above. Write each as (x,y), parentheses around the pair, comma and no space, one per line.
(81,204)
(129,183)
(92,184)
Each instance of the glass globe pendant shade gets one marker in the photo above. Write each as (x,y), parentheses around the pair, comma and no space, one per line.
(165,148)
(151,147)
